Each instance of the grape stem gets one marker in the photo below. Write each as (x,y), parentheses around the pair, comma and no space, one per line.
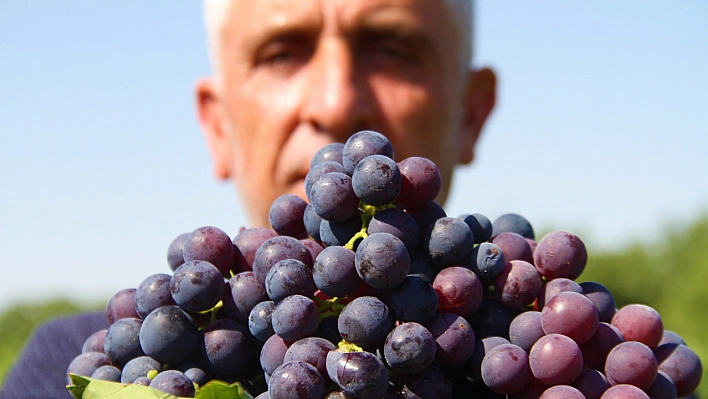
(346,347)
(368,212)
(329,307)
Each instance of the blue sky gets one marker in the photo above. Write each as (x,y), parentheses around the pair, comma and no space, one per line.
(601,128)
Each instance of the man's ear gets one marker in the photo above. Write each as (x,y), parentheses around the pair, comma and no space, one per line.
(211,119)
(479,101)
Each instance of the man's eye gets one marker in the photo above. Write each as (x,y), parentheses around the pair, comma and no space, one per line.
(283,53)
(390,50)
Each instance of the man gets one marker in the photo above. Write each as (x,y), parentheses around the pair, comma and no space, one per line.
(293,75)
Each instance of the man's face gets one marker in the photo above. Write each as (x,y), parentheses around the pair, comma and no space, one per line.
(294,75)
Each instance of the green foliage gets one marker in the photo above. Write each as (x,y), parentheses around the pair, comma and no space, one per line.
(87,388)
(19,321)
(671,276)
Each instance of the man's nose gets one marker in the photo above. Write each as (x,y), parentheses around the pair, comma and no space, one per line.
(338,98)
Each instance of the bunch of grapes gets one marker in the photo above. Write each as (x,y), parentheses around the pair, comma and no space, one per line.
(369,290)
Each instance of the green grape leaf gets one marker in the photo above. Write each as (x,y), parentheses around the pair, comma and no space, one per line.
(88,388)
(222,390)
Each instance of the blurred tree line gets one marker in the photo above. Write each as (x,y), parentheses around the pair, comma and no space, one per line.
(670,275)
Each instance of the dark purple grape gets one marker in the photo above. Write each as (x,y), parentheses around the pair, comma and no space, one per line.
(414,300)
(518,284)
(505,369)
(514,247)
(138,368)
(512,223)
(631,363)
(313,246)
(333,198)
(480,225)
(318,171)
(422,266)
(289,277)
(459,291)
(152,293)
(142,381)
(454,339)
(572,315)
(421,182)
(121,305)
(174,383)
(276,249)
(682,365)
(362,144)
(248,241)
(449,242)
(334,272)
(329,330)
(562,392)
(339,233)
(487,261)
(662,388)
(555,360)
(286,216)
(212,245)
(360,374)
(671,337)
(174,251)
(602,298)
(169,335)
(95,342)
(122,342)
(409,348)
(382,261)
(312,223)
(624,391)
(365,321)
(430,384)
(107,373)
(295,317)
(260,320)
(330,153)
(560,254)
(86,364)
(640,323)
(426,215)
(526,329)
(197,286)
(553,287)
(296,380)
(591,383)
(473,368)
(227,347)
(273,353)
(399,223)
(242,293)
(596,349)
(312,350)
(492,319)
(197,375)
(376,180)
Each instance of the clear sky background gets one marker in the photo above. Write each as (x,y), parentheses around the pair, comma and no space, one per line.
(601,128)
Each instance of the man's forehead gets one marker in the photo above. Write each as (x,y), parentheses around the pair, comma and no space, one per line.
(278,13)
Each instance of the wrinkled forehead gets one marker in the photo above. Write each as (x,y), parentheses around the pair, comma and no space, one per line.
(218,14)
